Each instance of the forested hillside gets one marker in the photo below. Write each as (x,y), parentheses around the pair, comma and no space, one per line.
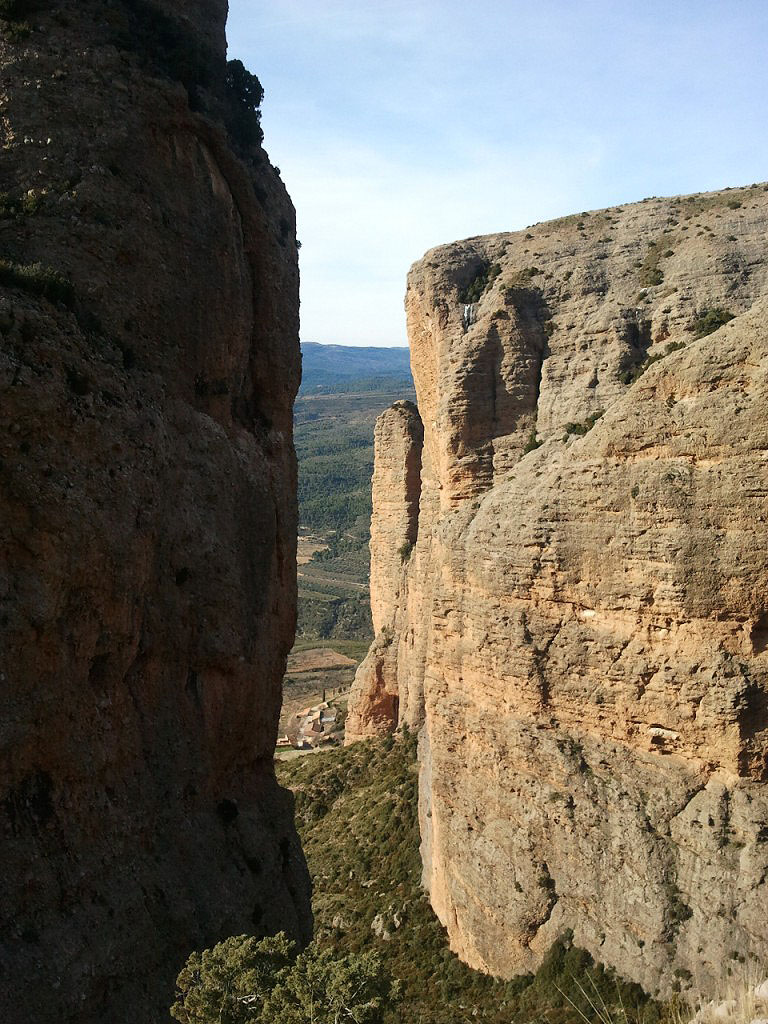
(343,392)
(338,369)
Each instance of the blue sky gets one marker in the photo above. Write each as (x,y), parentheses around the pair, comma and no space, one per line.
(398,126)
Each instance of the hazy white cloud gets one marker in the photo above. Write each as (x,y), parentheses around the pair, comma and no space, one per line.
(399,126)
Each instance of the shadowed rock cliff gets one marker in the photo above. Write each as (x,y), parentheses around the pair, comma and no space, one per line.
(580,630)
(149,360)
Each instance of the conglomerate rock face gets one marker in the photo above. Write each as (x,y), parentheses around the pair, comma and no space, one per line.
(581,630)
(149,360)
(398,443)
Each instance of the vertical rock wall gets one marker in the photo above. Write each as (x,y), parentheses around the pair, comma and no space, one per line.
(583,615)
(396,487)
(148,364)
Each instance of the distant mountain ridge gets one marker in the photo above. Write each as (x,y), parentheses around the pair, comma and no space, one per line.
(327,368)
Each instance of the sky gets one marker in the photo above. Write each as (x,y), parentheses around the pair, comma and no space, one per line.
(398,126)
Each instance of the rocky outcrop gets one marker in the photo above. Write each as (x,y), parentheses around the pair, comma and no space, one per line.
(398,443)
(583,618)
(149,360)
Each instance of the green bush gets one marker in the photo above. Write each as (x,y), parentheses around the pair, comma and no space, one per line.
(15,31)
(8,207)
(482,280)
(38,280)
(12,14)
(230,982)
(532,443)
(709,321)
(629,376)
(586,426)
(245,94)
(651,273)
(244,87)
(405,550)
(323,988)
(246,981)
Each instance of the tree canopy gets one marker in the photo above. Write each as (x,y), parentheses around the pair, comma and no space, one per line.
(244,980)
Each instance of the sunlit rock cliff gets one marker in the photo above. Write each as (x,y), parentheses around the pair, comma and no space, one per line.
(581,628)
(149,360)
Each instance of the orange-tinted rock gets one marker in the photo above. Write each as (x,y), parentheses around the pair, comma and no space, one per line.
(398,440)
(585,620)
(147,502)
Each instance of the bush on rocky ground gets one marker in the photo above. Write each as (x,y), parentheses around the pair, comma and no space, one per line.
(246,981)
(709,321)
(356,811)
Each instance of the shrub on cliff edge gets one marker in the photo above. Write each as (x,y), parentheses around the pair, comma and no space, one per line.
(245,94)
(709,321)
(38,280)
